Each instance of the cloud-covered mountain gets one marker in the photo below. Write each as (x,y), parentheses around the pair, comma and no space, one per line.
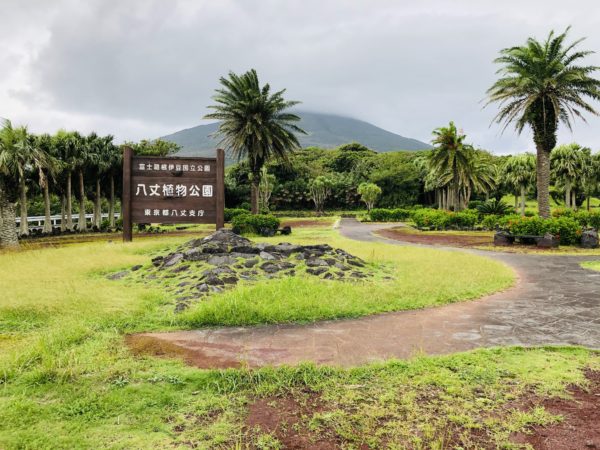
(324,130)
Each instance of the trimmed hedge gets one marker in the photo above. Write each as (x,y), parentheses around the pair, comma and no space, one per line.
(441,220)
(566,228)
(230,213)
(389,215)
(254,223)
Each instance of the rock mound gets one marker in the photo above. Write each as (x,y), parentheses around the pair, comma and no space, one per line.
(222,259)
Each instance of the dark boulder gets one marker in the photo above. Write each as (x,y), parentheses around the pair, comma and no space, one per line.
(589,239)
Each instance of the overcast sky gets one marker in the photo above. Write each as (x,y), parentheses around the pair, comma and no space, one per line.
(142,69)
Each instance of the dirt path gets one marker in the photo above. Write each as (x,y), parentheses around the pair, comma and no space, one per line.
(555,303)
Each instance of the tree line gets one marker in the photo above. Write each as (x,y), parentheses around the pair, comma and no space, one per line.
(81,170)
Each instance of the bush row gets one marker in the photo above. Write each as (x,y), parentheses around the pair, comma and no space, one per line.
(567,229)
(230,213)
(389,215)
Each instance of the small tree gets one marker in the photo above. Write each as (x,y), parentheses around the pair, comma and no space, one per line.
(265,188)
(369,193)
(319,189)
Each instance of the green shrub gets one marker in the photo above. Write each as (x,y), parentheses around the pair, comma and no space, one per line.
(560,212)
(566,228)
(230,213)
(389,215)
(494,206)
(431,218)
(464,219)
(491,222)
(594,220)
(254,223)
(474,204)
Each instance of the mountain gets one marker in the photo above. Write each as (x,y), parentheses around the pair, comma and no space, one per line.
(324,130)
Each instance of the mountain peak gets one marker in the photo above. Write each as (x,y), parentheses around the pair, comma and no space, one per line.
(323,130)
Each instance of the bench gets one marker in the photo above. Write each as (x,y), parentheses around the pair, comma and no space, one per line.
(506,238)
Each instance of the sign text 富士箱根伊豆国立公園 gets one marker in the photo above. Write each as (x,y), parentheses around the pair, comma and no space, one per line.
(172,190)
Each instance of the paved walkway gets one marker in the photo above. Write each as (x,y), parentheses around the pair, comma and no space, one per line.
(556,302)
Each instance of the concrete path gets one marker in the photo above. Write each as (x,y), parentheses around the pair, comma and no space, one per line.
(556,302)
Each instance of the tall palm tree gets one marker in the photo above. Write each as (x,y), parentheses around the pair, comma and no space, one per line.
(450,159)
(115,167)
(47,166)
(20,154)
(255,123)
(590,179)
(86,158)
(567,166)
(519,173)
(542,84)
(68,145)
(9,180)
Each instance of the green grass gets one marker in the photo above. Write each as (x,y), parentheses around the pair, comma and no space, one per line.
(592,265)
(531,205)
(67,379)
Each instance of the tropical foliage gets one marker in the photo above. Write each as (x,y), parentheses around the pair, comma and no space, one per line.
(255,124)
(542,84)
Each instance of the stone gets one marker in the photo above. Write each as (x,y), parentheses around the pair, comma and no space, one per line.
(316,262)
(355,262)
(251,263)
(328,276)
(157,261)
(181,268)
(270,267)
(245,249)
(213,280)
(330,261)
(184,284)
(136,267)
(195,254)
(339,265)
(203,287)
(172,259)
(118,275)
(286,248)
(219,260)
(589,239)
(267,256)
(316,270)
(358,275)
(230,279)
(214,248)
(548,241)
(503,238)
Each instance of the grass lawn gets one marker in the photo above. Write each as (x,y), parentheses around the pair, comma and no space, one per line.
(592,265)
(531,205)
(68,381)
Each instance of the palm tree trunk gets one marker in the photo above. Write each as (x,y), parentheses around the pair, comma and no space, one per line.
(47,220)
(98,205)
(588,202)
(24,227)
(254,195)
(69,203)
(522,200)
(574,200)
(8,228)
(81,225)
(567,194)
(63,213)
(543,182)
(111,205)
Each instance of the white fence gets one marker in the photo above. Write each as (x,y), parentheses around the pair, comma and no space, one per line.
(37,222)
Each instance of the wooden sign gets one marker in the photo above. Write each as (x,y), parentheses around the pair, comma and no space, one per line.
(172,190)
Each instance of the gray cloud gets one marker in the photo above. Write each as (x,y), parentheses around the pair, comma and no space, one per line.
(144,68)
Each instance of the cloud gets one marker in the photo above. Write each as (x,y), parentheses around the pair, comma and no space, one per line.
(145,68)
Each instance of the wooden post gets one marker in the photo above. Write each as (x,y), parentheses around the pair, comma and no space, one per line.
(126,201)
(220,188)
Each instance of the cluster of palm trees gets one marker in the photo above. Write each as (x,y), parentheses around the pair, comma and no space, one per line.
(455,170)
(53,164)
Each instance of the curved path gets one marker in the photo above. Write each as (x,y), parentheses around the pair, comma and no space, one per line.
(556,302)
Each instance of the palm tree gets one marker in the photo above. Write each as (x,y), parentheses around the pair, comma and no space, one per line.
(86,159)
(115,167)
(542,84)
(450,160)
(19,155)
(68,145)
(47,166)
(9,179)
(590,179)
(254,124)
(519,173)
(566,162)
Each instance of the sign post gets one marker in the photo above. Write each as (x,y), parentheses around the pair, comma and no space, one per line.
(172,190)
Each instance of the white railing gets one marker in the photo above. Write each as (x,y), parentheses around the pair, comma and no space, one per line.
(37,222)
